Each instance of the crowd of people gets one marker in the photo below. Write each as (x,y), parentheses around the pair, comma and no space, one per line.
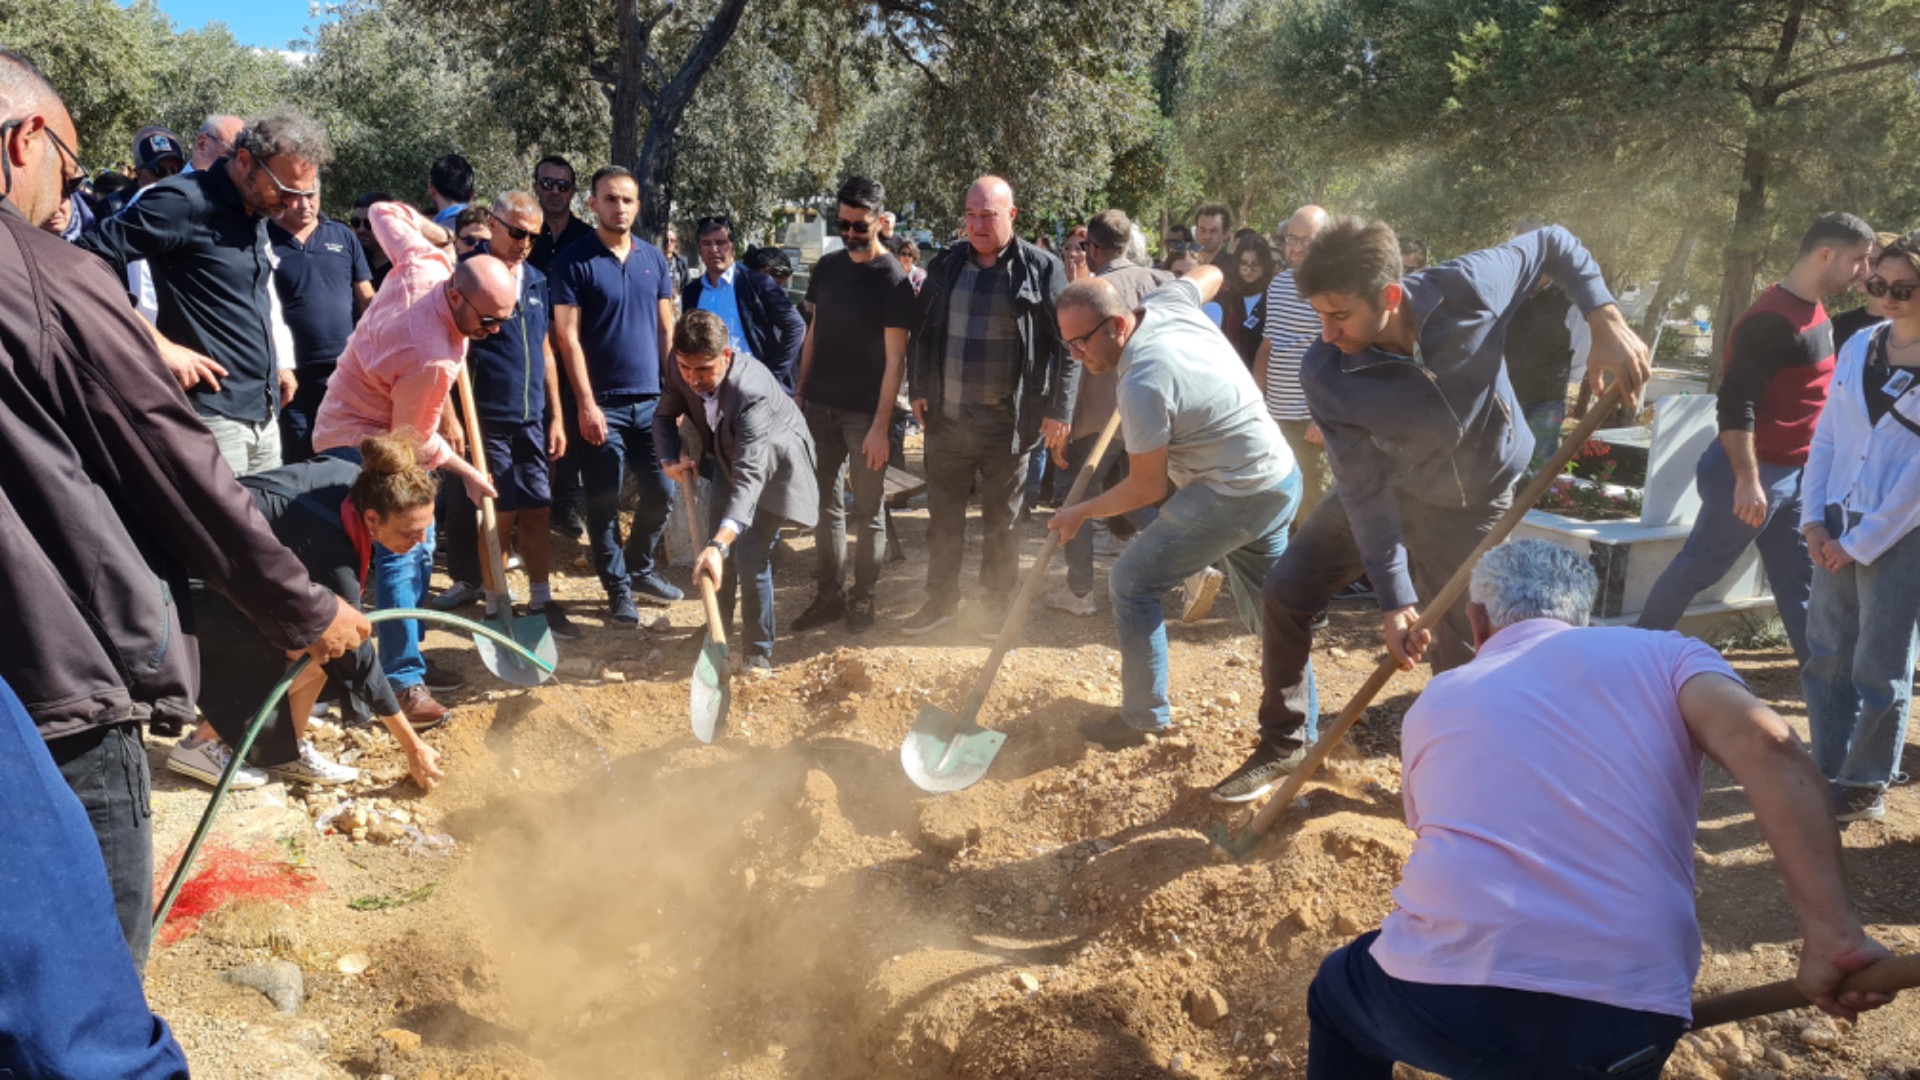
(226,410)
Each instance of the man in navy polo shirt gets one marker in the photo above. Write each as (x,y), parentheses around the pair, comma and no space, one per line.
(554,185)
(321,273)
(612,314)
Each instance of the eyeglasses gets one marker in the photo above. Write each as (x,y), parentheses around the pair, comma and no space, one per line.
(857,228)
(470,241)
(361,222)
(1879,287)
(285,191)
(1076,344)
(548,183)
(513,230)
(69,183)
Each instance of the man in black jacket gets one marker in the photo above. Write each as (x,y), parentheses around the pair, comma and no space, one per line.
(760,318)
(111,493)
(988,380)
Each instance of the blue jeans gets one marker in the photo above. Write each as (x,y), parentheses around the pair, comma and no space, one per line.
(751,561)
(1196,528)
(1858,675)
(603,469)
(1079,550)
(401,582)
(1718,540)
(1544,419)
(1363,1020)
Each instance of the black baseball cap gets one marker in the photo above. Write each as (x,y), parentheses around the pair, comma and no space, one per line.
(154,145)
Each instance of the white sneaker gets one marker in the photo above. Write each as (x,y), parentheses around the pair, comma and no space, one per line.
(1200,589)
(207,760)
(1064,600)
(311,768)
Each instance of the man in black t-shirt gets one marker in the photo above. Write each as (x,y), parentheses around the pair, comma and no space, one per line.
(850,370)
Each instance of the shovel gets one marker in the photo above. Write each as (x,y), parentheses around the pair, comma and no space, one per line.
(1435,611)
(947,751)
(1889,976)
(712,691)
(530,631)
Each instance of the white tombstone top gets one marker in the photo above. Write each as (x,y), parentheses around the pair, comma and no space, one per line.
(1683,425)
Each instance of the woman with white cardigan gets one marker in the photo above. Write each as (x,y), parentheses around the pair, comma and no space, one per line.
(1861,494)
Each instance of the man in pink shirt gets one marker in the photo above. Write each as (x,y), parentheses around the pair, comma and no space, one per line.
(1544,923)
(403,357)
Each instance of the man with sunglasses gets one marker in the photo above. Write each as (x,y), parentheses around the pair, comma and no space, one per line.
(763,322)
(394,375)
(204,236)
(1779,360)
(377,262)
(554,185)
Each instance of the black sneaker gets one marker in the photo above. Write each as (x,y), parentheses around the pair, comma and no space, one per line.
(860,615)
(567,523)
(932,615)
(651,588)
(1359,590)
(1110,732)
(621,611)
(1852,803)
(826,608)
(1256,776)
(557,620)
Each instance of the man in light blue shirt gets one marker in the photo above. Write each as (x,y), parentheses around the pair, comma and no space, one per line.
(761,321)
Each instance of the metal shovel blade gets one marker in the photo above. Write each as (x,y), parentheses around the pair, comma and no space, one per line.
(712,691)
(946,752)
(532,633)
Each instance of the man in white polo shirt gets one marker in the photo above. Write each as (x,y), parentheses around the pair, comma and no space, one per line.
(1544,925)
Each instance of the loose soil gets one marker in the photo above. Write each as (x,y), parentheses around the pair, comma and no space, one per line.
(622,901)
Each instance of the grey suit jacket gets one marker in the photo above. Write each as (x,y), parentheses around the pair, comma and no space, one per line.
(762,452)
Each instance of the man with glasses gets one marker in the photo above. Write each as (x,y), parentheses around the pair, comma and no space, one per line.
(377,262)
(850,370)
(215,140)
(554,186)
(204,235)
(394,375)
(760,318)
(988,381)
(1291,326)
(1779,361)
(324,285)
(613,317)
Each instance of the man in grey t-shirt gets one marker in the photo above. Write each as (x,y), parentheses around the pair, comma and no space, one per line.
(1191,417)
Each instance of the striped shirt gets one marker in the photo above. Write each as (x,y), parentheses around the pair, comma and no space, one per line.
(1292,325)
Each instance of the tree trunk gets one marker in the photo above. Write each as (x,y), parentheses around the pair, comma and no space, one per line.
(1672,282)
(628,97)
(1742,257)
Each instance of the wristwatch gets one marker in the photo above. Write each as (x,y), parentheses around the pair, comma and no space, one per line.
(725,551)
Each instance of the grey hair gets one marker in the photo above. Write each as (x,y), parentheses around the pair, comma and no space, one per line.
(1533,579)
(211,126)
(1137,247)
(286,131)
(516,202)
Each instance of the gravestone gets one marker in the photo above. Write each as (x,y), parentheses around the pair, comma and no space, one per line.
(1683,425)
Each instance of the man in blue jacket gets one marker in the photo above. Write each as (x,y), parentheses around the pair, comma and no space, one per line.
(760,318)
(1408,383)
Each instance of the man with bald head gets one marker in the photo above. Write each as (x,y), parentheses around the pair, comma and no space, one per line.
(394,375)
(215,140)
(988,381)
(1292,325)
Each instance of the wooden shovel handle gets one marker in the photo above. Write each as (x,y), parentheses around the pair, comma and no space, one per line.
(477,453)
(1891,975)
(1435,611)
(716,627)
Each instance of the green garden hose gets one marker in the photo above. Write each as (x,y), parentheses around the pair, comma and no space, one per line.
(260,721)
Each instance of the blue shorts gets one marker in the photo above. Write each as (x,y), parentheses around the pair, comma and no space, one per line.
(517,462)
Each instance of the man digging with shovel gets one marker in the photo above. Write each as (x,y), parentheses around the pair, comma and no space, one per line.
(1544,925)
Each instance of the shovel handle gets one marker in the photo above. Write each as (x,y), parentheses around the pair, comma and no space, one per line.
(476,453)
(1017,614)
(716,628)
(1894,974)
(1435,611)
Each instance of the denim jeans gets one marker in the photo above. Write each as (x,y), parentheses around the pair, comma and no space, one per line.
(108,771)
(1544,419)
(749,569)
(837,435)
(1718,539)
(402,583)
(1196,528)
(629,447)
(1858,676)
(958,453)
(1316,471)
(1362,1020)
(1323,559)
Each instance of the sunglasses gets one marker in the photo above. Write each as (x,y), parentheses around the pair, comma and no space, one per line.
(1879,288)
(285,191)
(857,228)
(361,222)
(470,241)
(513,230)
(548,183)
(68,184)
(490,321)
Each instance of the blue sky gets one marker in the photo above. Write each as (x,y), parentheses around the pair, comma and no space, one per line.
(268,24)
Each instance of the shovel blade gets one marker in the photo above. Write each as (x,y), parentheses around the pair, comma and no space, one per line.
(946,751)
(712,691)
(533,635)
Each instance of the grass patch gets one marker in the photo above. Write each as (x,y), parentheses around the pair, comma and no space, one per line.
(383,903)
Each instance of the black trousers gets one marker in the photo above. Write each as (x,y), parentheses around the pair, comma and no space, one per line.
(1320,560)
(107,769)
(957,454)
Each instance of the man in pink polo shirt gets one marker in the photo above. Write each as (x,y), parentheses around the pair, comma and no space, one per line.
(1544,924)
(394,375)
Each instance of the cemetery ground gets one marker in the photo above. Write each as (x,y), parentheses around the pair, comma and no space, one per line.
(622,901)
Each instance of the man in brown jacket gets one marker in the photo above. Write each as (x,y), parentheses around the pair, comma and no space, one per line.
(111,494)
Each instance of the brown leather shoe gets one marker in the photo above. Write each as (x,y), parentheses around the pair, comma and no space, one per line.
(421,711)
